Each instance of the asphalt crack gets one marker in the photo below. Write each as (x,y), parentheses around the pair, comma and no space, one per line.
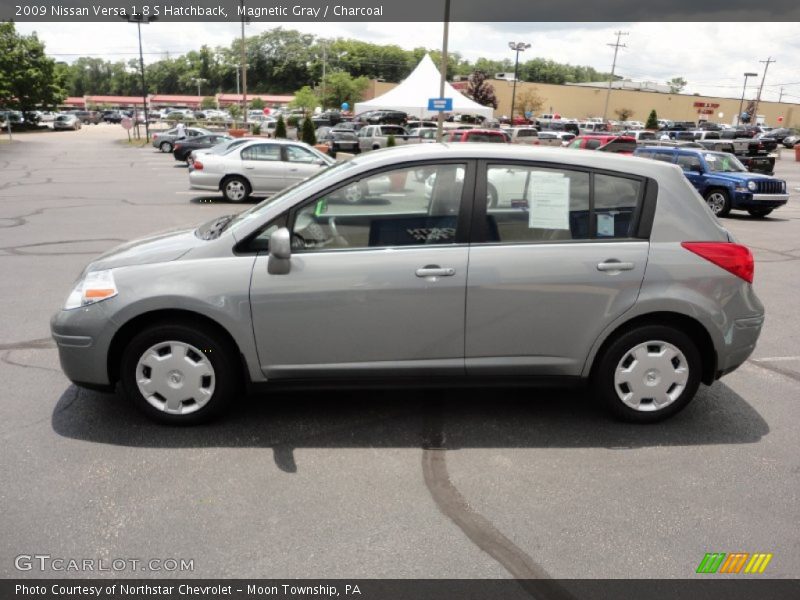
(531,576)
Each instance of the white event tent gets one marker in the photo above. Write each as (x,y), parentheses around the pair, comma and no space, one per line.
(413,93)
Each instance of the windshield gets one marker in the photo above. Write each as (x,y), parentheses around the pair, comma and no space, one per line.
(720,162)
(257,210)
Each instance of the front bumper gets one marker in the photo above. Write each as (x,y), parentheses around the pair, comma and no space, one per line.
(83,337)
(746,200)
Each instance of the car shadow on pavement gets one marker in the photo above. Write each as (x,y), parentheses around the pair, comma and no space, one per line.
(445,419)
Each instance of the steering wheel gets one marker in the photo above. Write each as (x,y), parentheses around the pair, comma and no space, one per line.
(341,241)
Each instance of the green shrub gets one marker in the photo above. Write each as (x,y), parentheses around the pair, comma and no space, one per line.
(280,128)
(390,141)
(308,134)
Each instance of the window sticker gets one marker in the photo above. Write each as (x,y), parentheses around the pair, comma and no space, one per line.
(605,225)
(549,205)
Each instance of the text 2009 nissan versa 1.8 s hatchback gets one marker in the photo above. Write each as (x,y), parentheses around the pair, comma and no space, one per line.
(585,266)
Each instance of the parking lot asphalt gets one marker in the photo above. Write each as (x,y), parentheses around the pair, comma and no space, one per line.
(444,484)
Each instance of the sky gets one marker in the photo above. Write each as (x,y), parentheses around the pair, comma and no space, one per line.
(712,57)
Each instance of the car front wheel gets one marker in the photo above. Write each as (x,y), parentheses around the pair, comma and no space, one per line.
(179,374)
(236,189)
(719,202)
(648,374)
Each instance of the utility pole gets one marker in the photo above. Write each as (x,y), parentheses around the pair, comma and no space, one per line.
(440,116)
(142,20)
(780,96)
(324,64)
(244,68)
(766,63)
(616,46)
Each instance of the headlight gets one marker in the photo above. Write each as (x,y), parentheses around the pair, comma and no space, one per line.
(94,287)
(751,185)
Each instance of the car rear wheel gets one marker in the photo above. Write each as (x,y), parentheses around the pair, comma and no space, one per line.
(236,189)
(719,202)
(648,374)
(759,212)
(165,147)
(179,374)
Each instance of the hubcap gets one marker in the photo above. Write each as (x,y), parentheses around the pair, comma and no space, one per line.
(175,377)
(716,202)
(651,376)
(235,190)
(353,193)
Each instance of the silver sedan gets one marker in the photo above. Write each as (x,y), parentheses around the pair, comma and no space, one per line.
(259,167)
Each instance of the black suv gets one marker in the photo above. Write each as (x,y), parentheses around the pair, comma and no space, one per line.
(382,117)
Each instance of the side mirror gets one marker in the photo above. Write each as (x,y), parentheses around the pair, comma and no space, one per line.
(280,252)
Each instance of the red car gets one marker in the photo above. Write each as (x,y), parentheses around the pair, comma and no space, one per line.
(620,144)
(478,135)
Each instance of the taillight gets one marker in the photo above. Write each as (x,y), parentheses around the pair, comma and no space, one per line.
(734,258)
(198,166)
(176,147)
(155,136)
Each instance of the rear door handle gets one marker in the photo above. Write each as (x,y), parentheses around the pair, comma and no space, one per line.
(615,265)
(435,271)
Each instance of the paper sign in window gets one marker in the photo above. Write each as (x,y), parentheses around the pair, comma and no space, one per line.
(605,225)
(549,205)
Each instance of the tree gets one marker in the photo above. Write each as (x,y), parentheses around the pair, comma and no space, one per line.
(28,78)
(652,120)
(624,114)
(235,110)
(676,85)
(308,135)
(257,104)
(305,99)
(341,87)
(480,91)
(208,102)
(529,101)
(280,128)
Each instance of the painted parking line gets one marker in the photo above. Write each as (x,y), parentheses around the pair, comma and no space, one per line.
(776,358)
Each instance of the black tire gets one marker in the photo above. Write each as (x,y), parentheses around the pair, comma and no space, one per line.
(236,189)
(759,212)
(165,147)
(218,352)
(603,375)
(719,201)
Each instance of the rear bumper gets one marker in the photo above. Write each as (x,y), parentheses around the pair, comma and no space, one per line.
(744,335)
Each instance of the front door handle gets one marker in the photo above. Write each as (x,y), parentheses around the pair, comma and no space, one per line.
(614,265)
(435,271)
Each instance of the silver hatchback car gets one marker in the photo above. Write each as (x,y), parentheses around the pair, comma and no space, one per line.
(589,267)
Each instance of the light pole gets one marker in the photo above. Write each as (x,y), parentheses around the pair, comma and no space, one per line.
(516,47)
(741,102)
(198,81)
(142,20)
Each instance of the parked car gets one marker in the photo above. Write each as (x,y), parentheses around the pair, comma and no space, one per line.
(67,122)
(166,140)
(375,137)
(222,148)
(478,135)
(339,141)
(88,117)
(640,135)
(524,135)
(258,167)
(723,181)
(112,116)
(790,140)
(381,117)
(755,162)
(618,144)
(302,290)
(181,149)
(555,138)
(426,135)
(777,135)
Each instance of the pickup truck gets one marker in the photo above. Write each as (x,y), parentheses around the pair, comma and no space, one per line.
(723,181)
(375,137)
(752,157)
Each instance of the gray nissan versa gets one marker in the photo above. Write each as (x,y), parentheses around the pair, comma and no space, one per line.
(465,263)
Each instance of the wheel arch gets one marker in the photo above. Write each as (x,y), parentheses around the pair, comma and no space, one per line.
(128,331)
(688,325)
